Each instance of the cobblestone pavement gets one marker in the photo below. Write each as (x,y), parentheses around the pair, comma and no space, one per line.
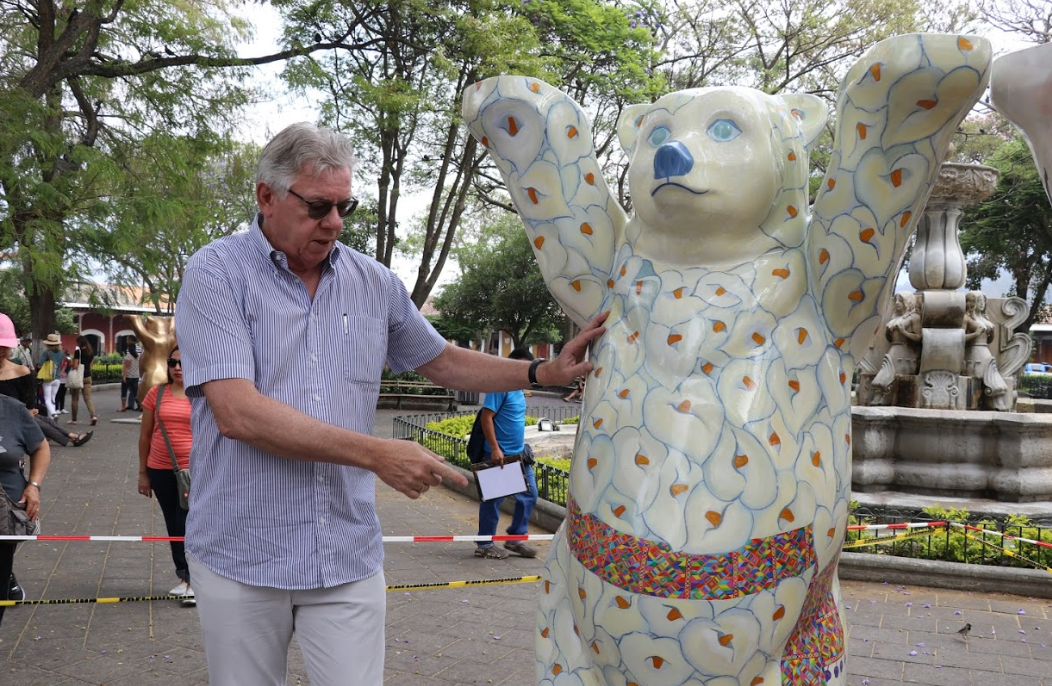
(468,635)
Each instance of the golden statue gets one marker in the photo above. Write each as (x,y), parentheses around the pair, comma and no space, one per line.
(157,336)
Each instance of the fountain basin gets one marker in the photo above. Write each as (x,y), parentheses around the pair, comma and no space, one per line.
(968,454)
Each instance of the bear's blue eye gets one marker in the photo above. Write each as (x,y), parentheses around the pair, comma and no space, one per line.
(723,130)
(659,135)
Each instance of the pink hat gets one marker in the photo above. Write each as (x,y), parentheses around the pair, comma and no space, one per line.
(8,339)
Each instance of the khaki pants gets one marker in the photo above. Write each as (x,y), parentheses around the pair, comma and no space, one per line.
(247,630)
(75,400)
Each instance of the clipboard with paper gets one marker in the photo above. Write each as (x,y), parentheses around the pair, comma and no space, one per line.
(496,481)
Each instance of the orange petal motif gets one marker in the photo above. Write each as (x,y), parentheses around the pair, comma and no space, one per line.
(787,515)
(905,219)
(589,178)
(592,462)
(678,293)
(725,640)
(622,602)
(927,104)
(538,242)
(633,337)
(676,489)
(714,517)
(595,647)
(707,368)
(597,423)
(964,44)
(720,290)
(642,460)
(586,229)
(485,141)
(719,326)
(874,69)
(619,510)
(866,235)
(801,336)
(674,338)
(792,156)
(816,458)
(740,461)
(748,383)
(610,283)
(831,183)
(576,285)
(684,406)
(756,681)
(795,385)
(823,256)
(759,338)
(556,668)
(658,662)
(861,129)
(513,126)
(782,273)
(582,595)
(774,439)
(532,192)
(855,296)
(779,613)
(896,178)
(674,614)
(792,211)
(536,88)
(571,132)
(838,342)
(623,393)
(544,632)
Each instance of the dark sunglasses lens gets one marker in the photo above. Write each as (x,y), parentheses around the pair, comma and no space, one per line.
(321,209)
(172,362)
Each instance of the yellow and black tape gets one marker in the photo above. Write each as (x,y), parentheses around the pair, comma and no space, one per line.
(890,539)
(403,587)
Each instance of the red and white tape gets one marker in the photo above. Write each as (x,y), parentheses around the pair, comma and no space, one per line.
(903,525)
(387,539)
(1043,544)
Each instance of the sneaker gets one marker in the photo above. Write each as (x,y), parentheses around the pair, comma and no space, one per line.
(189,599)
(491,552)
(181,591)
(14,590)
(521,549)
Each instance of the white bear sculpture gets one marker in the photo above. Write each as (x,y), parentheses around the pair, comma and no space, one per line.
(710,480)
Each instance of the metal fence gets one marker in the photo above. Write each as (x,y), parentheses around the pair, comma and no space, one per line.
(950,543)
(552,483)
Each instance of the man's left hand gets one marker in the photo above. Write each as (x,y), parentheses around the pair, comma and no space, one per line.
(570,363)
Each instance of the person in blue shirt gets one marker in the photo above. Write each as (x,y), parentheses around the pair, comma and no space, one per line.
(504,426)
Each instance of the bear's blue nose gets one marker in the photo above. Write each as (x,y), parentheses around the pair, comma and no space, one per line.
(672,159)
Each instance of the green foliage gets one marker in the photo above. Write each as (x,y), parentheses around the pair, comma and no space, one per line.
(1012,230)
(501,288)
(14,304)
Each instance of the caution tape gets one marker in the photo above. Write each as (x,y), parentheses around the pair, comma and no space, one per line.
(390,589)
(386,539)
(1007,552)
(1043,544)
(886,539)
(901,525)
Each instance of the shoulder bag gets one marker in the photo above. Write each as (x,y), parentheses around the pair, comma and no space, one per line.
(182,476)
(75,378)
(47,371)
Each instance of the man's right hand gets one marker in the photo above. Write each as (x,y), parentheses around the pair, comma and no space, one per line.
(412,469)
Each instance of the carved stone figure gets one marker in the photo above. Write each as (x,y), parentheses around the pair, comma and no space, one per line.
(979,360)
(711,473)
(157,335)
(904,332)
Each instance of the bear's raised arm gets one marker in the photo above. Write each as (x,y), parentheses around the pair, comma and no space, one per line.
(897,108)
(542,142)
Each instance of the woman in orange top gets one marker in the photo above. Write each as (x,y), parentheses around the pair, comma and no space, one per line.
(155,462)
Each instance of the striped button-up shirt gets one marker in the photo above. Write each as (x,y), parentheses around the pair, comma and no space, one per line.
(261,519)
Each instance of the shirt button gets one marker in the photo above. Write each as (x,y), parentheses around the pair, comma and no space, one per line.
(321,521)
(313,358)
(317,397)
(321,479)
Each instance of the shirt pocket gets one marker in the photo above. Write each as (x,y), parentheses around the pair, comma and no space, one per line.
(363,349)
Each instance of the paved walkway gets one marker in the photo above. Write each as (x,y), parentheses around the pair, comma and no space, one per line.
(472,635)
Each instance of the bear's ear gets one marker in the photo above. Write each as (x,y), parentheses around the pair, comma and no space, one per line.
(628,126)
(810,113)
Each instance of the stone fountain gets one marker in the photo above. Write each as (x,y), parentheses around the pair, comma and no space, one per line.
(936,396)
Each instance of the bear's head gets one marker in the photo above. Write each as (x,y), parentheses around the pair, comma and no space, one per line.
(719,175)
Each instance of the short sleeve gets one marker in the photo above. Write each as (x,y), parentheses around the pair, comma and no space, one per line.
(150,401)
(493,402)
(31,433)
(208,312)
(412,341)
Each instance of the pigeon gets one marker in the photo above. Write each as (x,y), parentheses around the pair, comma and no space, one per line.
(963,631)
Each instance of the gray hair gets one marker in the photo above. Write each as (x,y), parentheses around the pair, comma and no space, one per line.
(317,147)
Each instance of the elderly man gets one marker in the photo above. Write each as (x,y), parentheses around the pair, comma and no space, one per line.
(284,333)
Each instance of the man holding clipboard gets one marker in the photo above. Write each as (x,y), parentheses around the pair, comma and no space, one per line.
(503,420)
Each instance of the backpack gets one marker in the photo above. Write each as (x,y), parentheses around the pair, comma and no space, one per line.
(477,441)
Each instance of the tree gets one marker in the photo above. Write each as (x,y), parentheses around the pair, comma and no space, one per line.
(1012,230)
(399,97)
(501,287)
(82,81)
(1028,20)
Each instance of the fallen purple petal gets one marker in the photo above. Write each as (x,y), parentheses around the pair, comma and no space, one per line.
(957,612)
(913,653)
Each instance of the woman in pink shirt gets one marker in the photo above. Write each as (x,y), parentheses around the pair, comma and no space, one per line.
(156,474)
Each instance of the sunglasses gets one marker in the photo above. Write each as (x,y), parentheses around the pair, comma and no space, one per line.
(319,209)
(173,363)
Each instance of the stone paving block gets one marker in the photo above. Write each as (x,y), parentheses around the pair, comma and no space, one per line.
(929,674)
(957,657)
(882,635)
(901,653)
(872,667)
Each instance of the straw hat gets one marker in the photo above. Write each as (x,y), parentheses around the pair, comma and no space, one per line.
(53,339)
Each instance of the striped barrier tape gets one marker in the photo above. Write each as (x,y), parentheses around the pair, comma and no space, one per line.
(1043,544)
(390,589)
(862,542)
(1007,552)
(433,539)
(386,539)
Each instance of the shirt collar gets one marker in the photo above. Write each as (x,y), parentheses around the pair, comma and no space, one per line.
(259,239)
